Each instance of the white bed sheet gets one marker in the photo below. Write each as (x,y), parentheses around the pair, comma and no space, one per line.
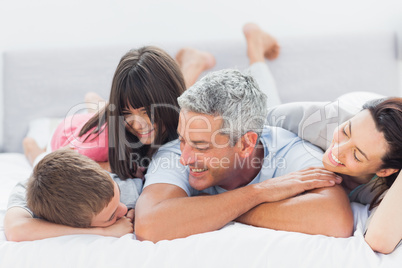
(235,245)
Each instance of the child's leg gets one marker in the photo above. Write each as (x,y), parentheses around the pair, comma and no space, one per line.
(261,45)
(32,150)
(91,99)
(193,62)
(266,82)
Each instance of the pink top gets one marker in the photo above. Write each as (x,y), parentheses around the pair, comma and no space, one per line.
(66,134)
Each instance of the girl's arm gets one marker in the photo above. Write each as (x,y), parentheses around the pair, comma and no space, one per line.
(384,231)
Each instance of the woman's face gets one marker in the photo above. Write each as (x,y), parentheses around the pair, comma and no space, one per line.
(356,149)
(138,123)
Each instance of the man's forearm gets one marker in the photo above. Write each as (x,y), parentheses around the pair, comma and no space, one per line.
(323,211)
(164,211)
(182,216)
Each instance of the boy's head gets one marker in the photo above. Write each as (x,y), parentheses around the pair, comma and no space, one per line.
(70,189)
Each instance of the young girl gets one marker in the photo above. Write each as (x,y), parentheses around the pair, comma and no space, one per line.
(142,113)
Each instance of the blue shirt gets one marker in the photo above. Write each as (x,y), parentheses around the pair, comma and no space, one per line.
(284,152)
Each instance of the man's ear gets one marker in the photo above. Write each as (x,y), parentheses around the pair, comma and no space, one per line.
(247,143)
(385,172)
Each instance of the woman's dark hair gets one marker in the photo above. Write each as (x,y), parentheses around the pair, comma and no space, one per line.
(387,115)
(146,77)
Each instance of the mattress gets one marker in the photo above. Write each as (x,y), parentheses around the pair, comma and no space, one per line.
(235,245)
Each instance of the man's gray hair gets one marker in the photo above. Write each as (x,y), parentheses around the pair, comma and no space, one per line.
(234,96)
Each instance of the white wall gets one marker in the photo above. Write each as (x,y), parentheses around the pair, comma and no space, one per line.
(50,23)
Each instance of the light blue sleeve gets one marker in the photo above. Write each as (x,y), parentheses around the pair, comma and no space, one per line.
(165,167)
(130,190)
(301,154)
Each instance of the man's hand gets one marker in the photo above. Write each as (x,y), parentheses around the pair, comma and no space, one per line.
(295,183)
(122,226)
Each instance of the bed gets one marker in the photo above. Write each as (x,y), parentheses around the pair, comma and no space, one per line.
(46,84)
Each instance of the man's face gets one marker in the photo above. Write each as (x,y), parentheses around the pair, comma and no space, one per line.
(112,212)
(207,153)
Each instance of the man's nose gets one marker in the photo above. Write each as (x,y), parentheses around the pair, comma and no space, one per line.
(187,155)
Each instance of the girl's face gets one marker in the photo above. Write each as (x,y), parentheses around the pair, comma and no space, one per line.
(356,149)
(138,123)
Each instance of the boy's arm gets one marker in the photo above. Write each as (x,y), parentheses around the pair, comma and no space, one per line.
(19,225)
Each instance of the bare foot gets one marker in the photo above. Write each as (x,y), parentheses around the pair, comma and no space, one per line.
(92,99)
(193,62)
(31,149)
(260,44)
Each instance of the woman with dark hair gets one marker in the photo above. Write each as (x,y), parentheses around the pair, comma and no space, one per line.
(364,150)
(384,230)
(361,135)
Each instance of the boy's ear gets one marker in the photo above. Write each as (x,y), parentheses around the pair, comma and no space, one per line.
(247,143)
(385,172)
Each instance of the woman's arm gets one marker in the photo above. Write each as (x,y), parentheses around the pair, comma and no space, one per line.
(384,231)
(19,225)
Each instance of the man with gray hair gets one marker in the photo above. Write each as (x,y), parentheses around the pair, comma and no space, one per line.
(226,165)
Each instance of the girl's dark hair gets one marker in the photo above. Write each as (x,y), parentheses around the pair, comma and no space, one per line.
(387,115)
(146,77)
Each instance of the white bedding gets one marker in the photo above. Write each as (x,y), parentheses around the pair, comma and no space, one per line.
(235,245)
